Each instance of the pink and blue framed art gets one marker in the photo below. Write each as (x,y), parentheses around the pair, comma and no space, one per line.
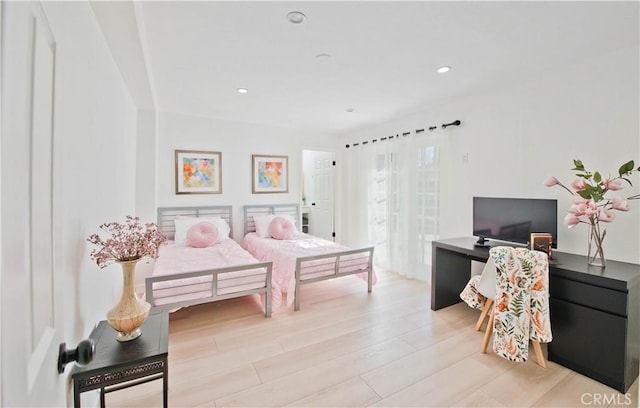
(198,172)
(270,174)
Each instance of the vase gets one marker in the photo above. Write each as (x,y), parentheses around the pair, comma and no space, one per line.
(128,315)
(595,250)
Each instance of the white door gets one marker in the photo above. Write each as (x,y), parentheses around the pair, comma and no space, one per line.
(31,323)
(322,194)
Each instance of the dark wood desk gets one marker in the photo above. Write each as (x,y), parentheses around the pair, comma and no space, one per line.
(595,312)
(118,365)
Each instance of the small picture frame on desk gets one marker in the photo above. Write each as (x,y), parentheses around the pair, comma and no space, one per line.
(541,241)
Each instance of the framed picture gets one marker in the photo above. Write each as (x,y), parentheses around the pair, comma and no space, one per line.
(198,172)
(270,174)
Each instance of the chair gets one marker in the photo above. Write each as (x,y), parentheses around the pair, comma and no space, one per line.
(486,286)
(519,278)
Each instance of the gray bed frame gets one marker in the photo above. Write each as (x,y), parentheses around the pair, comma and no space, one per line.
(307,267)
(166,216)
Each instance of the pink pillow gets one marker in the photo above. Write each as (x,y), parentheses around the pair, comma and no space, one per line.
(202,235)
(281,228)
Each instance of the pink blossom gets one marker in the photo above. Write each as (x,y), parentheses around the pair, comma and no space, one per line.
(620,204)
(613,184)
(551,181)
(126,242)
(571,220)
(605,216)
(579,184)
(587,208)
(591,208)
(577,209)
(589,202)
(578,199)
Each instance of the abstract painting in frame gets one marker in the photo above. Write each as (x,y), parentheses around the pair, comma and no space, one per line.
(270,174)
(198,172)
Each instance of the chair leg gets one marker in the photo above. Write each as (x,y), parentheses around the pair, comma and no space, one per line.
(487,306)
(487,334)
(539,357)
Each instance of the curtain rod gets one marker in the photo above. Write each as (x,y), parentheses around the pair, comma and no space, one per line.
(397,136)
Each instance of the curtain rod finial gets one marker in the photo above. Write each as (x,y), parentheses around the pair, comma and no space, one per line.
(454,123)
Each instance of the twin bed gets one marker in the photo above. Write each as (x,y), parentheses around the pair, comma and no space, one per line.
(303,258)
(184,275)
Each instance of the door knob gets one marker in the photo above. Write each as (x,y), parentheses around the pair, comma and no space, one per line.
(82,355)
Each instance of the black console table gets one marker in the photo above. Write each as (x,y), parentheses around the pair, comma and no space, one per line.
(595,312)
(117,365)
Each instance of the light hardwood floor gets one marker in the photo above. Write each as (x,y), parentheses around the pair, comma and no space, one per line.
(347,348)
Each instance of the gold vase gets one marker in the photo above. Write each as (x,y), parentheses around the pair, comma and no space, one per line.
(128,315)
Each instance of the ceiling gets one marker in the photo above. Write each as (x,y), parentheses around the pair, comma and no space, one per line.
(190,57)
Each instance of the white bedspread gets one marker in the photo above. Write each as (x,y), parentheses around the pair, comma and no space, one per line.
(174,259)
(283,254)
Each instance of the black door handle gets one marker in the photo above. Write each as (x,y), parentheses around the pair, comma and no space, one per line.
(82,355)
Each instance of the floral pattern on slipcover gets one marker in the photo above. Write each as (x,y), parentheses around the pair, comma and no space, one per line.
(521,311)
(470,294)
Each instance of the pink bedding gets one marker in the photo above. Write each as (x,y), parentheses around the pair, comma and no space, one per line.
(283,254)
(174,259)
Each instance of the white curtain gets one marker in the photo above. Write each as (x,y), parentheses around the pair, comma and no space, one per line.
(392,201)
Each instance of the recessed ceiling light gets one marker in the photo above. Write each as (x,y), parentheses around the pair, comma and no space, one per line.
(444,69)
(323,57)
(350,110)
(242,90)
(296,17)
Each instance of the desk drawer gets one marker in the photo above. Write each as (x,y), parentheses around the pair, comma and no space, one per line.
(599,298)
(589,341)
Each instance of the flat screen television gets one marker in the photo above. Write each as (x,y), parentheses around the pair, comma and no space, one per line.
(514,219)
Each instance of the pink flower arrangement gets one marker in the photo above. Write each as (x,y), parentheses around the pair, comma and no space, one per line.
(126,242)
(590,206)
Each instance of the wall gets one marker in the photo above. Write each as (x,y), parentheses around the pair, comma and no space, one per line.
(146,178)
(518,134)
(237,142)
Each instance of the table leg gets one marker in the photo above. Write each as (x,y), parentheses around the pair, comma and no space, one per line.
(165,385)
(76,395)
(450,272)
(101,397)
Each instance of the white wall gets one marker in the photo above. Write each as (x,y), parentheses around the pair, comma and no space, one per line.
(94,163)
(307,168)
(237,142)
(520,133)
(146,178)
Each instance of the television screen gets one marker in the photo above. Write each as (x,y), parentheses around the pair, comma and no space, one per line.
(514,219)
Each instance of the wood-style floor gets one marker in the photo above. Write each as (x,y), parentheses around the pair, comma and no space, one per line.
(347,348)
